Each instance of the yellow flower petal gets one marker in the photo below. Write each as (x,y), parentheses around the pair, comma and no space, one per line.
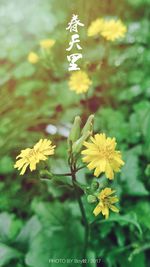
(24,169)
(33,165)
(97,172)
(97,210)
(114,209)
(105,212)
(109,171)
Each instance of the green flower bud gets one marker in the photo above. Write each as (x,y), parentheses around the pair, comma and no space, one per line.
(77,146)
(94,185)
(46,174)
(89,125)
(91,199)
(75,130)
(88,190)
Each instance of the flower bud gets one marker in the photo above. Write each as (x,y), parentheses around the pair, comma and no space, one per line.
(77,146)
(94,185)
(87,190)
(89,125)
(46,174)
(75,130)
(91,199)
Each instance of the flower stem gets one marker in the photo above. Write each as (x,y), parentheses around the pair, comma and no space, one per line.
(62,174)
(84,218)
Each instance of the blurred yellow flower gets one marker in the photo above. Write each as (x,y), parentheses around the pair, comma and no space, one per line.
(113,29)
(31,156)
(100,154)
(110,29)
(47,43)
(106,201)
(33,58)
(79,82)
(95,27)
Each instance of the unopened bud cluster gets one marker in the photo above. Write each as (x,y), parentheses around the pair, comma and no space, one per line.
(78,136)
(91,192)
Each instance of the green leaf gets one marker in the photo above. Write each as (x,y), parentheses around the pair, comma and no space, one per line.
(120,235)
(29,230)
(141,116)
(142,209)
(123,220)
(138,260)
(130,175)
(130,93)
(58,90)
(24,69)
(9,226)
(26,88)
(60,238)
(7,253)
(105,119)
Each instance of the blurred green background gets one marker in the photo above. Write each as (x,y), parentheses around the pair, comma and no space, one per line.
(32,212)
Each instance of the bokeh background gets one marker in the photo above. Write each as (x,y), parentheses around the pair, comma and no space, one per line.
(34,96)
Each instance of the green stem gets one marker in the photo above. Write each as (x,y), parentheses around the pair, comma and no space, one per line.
(63,174)
(86,225)
(80,168)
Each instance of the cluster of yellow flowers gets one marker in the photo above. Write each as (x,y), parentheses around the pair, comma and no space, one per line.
(79,82)
(100,154)
(45,44)
(110,29)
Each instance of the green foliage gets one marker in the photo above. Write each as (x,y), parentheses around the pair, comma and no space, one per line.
(57,225)
(39,239)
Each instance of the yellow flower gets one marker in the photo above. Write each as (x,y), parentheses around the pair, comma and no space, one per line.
(106,202)
(95,27)
(31,156)
(47,43)
(100,154)
(33,58)
(79,82)
(113,29)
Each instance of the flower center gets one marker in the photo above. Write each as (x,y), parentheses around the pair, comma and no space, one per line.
(106,201)
(32,154)
(106,152)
